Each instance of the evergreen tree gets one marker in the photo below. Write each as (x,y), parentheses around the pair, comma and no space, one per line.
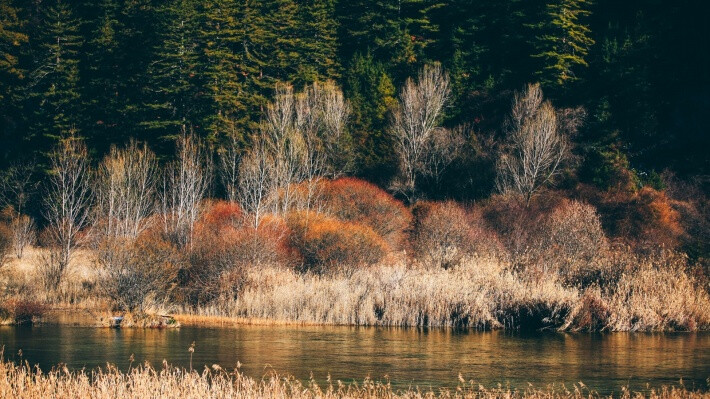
(55,81)
(220,36)
(12,75)
(11,38)
(563,42)
(318,41)
(372,97)
(173,98)
(377,27)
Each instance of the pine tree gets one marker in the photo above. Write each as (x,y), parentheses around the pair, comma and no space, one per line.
(318,41)
(220,36)
(12,76)
(377,27)
(55,81)
(11,38)
(173,98)
(372,97)
(563,42)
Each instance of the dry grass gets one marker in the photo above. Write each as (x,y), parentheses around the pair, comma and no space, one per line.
(482,292)
(169,382)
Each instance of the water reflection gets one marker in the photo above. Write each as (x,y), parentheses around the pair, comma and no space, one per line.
(425,358)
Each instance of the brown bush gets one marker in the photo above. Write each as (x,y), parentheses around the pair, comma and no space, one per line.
(645,219)
(443,233)
(517,225)
(136,271)
(572,241)
(355,200)
(328,244)
(223,246)
(22,311)
(5,243)
(591,313)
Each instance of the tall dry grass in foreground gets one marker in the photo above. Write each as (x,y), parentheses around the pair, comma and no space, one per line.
(480,293)
(146,382)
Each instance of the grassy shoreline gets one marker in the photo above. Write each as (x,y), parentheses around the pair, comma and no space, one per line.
(480,293)
(25,381)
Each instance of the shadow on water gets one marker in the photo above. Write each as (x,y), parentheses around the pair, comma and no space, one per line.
(425,358)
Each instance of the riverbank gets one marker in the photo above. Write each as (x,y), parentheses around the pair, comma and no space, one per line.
(27,382)
(479,293)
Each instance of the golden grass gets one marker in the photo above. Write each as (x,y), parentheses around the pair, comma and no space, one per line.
(169,382)
(654,294)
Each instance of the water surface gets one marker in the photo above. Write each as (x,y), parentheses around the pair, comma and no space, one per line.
(408,357)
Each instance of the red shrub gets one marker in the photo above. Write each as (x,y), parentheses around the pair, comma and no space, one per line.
(220,214)
(443,233)
(355,200)
(328,244)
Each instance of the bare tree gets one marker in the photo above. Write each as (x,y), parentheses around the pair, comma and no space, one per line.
(126,191)
(229,160)
(68,200)
(23,234)
(415,124)
(185,184)
(17,186)
(445,147)
(256,181)
(536,148)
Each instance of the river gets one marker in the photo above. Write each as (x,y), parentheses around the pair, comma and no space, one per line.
(407,357)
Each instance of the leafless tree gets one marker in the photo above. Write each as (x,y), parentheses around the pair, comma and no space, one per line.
(415,124)
(68,200)
(23,234)
(126,191)
(445,147)
(536,147)
(17,185)
(229,160)
(185,183)
(256,181)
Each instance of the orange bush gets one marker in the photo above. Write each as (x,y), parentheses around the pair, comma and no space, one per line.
(328,244)
(355,200)
(218,215)
(222,250)
(645,218)
(443,233)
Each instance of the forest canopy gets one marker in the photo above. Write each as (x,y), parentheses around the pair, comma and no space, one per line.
(112,70)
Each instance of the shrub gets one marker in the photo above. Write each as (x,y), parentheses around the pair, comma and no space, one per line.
(645,219)
(134,272)
(21,311)
(354,200)
(572,241)
(443,233)
(327,244)
(220,214)
(5,243)
(223,247)
(517,225)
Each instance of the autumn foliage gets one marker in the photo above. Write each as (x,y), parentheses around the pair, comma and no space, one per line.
(355,200)
(444,233)
(328,244)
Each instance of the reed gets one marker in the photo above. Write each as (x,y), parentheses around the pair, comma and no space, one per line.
(144,381)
